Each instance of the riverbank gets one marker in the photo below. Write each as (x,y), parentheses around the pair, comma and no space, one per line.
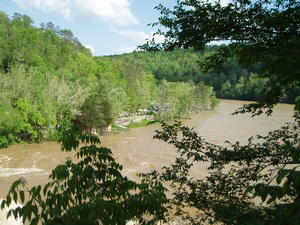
(125,123)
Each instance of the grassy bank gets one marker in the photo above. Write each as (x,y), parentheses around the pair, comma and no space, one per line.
(143,123)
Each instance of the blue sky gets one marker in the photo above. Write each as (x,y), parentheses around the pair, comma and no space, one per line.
(105,26)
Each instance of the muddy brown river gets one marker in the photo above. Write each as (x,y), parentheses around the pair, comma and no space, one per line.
(136,149)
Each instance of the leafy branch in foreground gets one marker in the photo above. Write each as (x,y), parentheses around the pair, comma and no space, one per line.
(89,191)
(253,184)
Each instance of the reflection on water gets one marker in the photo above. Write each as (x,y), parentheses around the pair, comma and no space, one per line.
(136,149)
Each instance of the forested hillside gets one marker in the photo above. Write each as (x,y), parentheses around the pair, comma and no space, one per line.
(49,80)
(231,81)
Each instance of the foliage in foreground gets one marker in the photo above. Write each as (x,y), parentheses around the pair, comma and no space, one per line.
(257,183)
(253,184)
(88,191)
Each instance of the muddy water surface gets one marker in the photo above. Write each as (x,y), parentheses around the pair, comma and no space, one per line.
(136,149)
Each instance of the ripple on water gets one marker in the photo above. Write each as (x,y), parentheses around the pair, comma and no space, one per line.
(6,172)
(4,158)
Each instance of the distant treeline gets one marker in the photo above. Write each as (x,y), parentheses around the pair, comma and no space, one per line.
(232,81)
(49,80)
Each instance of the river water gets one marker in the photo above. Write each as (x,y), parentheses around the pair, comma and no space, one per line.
(136,149)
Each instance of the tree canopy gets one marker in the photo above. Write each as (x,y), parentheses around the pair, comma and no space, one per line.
(265,32)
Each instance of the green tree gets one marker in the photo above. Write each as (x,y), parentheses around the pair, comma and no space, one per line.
(96,112)
(204,97)
(226,89)
(114,84)
(19,122)
(5,55)
(240,87)
(12,125)
(141,86)
(164,100)
(175,100)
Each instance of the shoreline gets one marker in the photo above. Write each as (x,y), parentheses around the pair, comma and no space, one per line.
(120,127)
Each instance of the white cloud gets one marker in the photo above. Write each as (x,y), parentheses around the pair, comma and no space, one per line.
(91,48)
(137,36)
(116,12)
(140,37)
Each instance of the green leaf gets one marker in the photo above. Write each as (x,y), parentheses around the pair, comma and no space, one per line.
(282,174)
(8,200)
(35,220)
(9,213)
(249,189)
(15,196)
(22,197)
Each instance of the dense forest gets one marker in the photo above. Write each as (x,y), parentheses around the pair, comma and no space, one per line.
(230,81)
(49,80)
